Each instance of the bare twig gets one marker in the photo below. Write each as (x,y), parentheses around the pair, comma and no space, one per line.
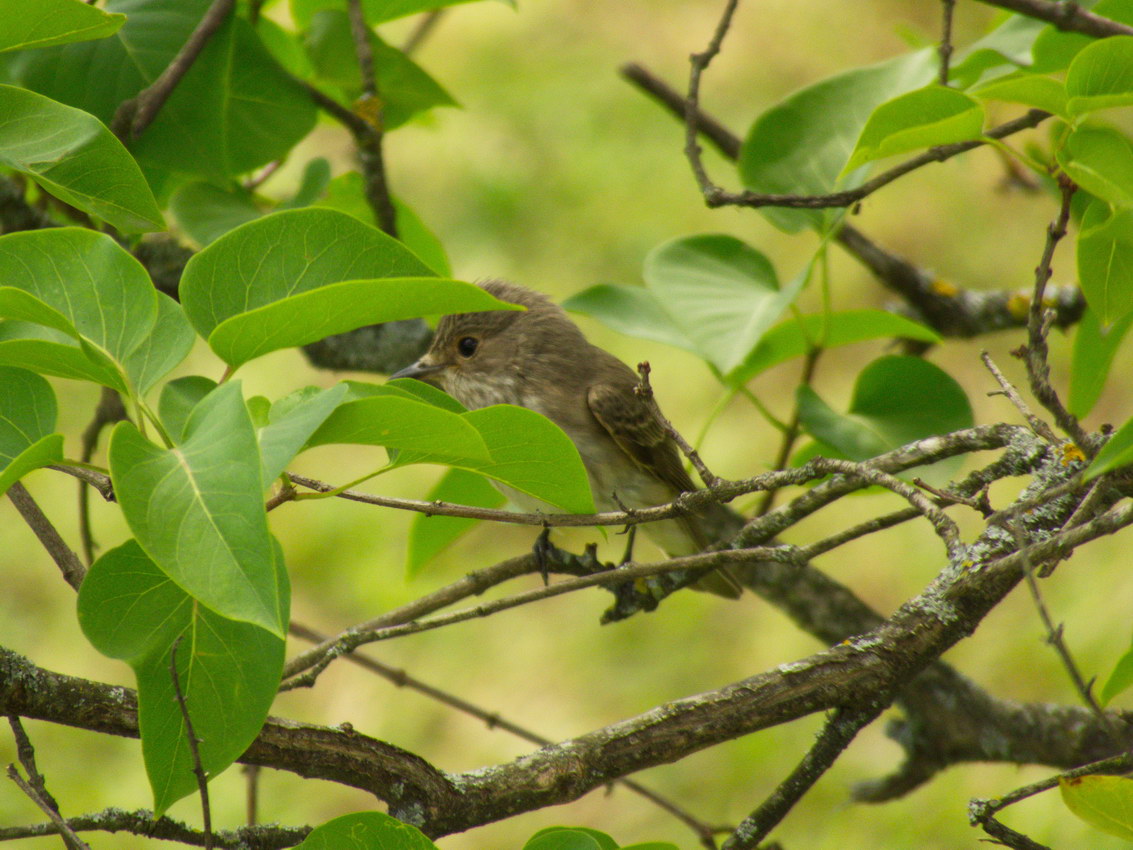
(350,639)
(194,745)
(136,114)
(1038,324)
(945,49)
(1070,17)
(35,787)
(142,822)
(981,812)
(699,63)
(791,435)
(1054,633)
(645,392)
(65,558)
(841,728)
(1039,426)
(424,27)
(109,410)
(370,145)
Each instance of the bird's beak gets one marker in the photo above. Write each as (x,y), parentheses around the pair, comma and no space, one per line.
(419,370)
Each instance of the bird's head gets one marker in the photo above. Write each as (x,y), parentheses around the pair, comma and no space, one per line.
(482,358)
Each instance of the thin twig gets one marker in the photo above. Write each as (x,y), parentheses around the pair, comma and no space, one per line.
(1070,17)
(645,392)
(699,63)
(493,720)
(945,49)
(1054,635)
(194,744)
(1038,425)
(65,558)
(315,661)
(109,410)
(425,26)
(1038,324)
(981,812)
(35,787)
(794,429)
(370,145)
(133,116)
(841,728)
(141,822)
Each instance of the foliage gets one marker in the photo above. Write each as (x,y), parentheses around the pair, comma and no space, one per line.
(198,600)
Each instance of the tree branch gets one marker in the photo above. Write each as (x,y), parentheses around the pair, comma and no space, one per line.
(1069,17)
(133,116)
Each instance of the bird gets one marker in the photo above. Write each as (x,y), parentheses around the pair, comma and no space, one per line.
(539,359)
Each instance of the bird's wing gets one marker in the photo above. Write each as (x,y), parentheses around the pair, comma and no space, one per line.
(638,433)
(635,429)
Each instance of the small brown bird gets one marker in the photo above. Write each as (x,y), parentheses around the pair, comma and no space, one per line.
(539,359)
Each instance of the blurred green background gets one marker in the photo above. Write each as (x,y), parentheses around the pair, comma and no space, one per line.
(559,175)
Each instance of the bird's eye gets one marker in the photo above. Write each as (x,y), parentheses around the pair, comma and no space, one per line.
(467,346)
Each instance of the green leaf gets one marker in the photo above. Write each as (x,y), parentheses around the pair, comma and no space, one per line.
(206,212)
(85,285)
(631,310)
(286,254)
(1055,49)
(532,454)
(935,115)
(366,831)
(432,434)
(1094,350)
(177,400)
(429,535)
(897,400)
(346,193)
(27,420)
(315,179)
(422,241)
(51,352)
(1100,160)
(1035,90)
(1120,679)
(800,145)
(76,159)
(197,509)
(169,342)
(406,89)
(338,307)
(570,838)
(235,109)
(794,337)
(1115,453)
(375,11)
(291,422)
(720,292)
(407,388)
(1010,42)
(97,76)
(651,845)
(1101,76)
(228,671)
(1105,802)
(1105,260)
(49,22)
